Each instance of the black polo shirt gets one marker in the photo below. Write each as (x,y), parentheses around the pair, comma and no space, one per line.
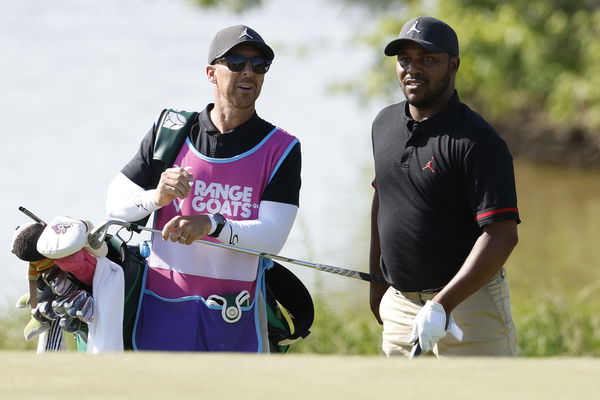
(284,187)
(439,182)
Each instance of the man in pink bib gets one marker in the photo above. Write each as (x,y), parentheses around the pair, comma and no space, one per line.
(235,178)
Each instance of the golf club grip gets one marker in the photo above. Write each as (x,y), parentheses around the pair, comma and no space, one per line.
(363,276)
(31,215)
(416,350)
(350,273)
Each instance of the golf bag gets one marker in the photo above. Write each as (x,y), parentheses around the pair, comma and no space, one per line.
(290,310)
(133,264)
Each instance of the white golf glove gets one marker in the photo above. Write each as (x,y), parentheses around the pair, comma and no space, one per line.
(430,326)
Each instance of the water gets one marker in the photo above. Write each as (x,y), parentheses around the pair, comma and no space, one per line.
(82,82)
(557,255)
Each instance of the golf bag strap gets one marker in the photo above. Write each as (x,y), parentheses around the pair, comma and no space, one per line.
(173,128)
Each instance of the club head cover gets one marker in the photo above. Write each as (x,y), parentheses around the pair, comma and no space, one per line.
(24,241)
(23,301)
(65,236)
(34,328)
(62,237)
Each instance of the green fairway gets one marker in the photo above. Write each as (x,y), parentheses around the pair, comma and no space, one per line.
(308,377)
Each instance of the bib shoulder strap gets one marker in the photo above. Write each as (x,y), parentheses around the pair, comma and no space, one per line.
(173,128)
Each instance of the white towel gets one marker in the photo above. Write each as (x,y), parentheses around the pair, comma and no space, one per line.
(106,331)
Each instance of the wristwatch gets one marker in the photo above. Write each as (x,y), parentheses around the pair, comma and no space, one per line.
(221,221)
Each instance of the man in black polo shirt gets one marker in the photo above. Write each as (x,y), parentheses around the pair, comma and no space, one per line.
(236,179)
(444,214)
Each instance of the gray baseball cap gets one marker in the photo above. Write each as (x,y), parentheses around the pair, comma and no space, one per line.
(431,33)
(228,38)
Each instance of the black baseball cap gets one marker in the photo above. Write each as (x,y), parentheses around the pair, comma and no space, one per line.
(431,33)
(228,38)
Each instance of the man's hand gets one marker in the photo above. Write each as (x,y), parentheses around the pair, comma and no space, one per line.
(175,183)
(376,292)
(430,326)
(186,229)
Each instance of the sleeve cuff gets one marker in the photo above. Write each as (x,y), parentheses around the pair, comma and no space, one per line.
(146,201)
(213,224)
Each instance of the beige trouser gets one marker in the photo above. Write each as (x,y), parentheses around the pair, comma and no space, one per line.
(484,317)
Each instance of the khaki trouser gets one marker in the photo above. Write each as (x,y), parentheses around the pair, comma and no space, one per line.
(485,319)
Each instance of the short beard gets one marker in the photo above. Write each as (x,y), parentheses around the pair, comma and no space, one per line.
(431,98)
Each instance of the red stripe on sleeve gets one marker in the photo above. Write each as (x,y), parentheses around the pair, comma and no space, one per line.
(502,210)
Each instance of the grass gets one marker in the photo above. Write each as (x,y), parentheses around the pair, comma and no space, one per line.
(167,375)
(555,326)
(547,326)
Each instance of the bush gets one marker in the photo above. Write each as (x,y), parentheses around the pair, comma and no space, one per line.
(11,331)
(349,331)
(546,327)
(558,327)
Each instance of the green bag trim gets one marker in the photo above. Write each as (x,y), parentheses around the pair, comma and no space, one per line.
(133,264)
(290,310)
(173,128)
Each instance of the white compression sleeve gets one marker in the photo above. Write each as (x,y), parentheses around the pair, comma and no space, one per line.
(127,201)
(266,234)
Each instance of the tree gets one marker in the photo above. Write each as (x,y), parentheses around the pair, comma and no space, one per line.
(237,6)
(532,68)
(530,60)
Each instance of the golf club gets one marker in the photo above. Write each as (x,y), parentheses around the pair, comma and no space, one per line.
(31,215)
(416,350)
(98,234)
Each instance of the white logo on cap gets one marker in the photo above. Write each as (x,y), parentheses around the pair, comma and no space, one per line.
(414,28)
(245,33)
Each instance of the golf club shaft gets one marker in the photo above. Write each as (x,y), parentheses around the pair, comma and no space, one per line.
(416,350)
(31,215)
(320,267)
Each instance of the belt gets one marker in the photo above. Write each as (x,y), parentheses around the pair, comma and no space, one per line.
(423,291)
(430,291)
(500,274)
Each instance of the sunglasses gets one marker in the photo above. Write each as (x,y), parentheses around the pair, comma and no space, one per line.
(237,62)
